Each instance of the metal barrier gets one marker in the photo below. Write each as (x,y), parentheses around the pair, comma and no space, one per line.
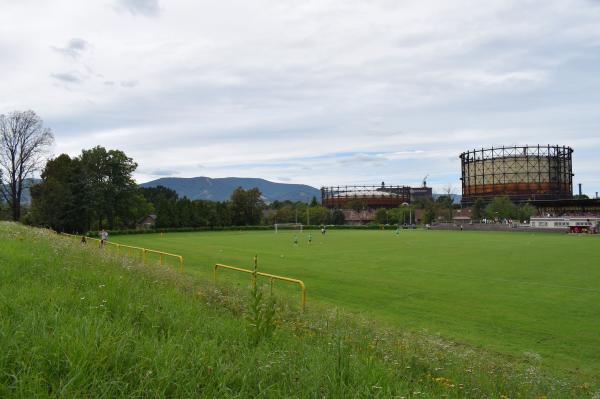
(144,251)
(270,276)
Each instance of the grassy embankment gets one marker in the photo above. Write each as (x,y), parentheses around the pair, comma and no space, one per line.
(78,322)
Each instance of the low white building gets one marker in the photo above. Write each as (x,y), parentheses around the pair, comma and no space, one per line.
(576,224)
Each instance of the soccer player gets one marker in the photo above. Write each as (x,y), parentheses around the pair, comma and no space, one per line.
(309,238)
(398,230)
(296,240)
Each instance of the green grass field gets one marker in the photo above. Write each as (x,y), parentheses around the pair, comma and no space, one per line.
(79,321)
(522,294)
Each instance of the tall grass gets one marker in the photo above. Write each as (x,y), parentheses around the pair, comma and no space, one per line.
(76,321)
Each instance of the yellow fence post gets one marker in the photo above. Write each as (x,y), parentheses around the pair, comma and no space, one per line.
(271,276)
(143,251)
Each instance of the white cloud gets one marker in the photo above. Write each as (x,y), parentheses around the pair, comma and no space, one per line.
(148,8)
(317,92)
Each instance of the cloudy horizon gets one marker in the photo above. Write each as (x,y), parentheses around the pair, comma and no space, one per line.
(326,92)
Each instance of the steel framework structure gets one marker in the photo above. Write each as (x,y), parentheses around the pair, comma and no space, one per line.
(371,196)
(523,173)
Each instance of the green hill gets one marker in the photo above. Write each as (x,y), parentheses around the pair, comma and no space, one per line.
(76,321)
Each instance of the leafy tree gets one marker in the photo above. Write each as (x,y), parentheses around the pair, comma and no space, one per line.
(319,215)
(399,215)
(525,212)
(501,208)
(158,193)
(23,143)
(446,203)
(478,210)
(285,214)
(58,201)
(246,206)
(108,179)
(381,216)
(337,217)
(314,202)
(77,194)
(430,211)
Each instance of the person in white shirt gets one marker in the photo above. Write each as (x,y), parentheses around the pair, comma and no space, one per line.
(103,238)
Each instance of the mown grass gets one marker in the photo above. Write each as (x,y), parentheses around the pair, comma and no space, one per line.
(76,321)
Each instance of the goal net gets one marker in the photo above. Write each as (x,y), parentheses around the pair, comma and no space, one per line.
(288,226)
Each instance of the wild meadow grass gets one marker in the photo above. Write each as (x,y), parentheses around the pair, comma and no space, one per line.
(76,321)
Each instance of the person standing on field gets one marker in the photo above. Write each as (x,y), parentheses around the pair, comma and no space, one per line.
(103,238)
(309,238)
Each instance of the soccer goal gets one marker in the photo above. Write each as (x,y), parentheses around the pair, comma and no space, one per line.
(288,226)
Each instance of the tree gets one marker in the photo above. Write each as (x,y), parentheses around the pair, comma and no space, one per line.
(319,215)
(108,182)
(314,202)
(445,202)
(381,216)
(430,211)
(23,144)
(159,193)
(97,186)
(525,212)
(337,217)
(448,202)
(57,201)
(501,208)
(286,214)
(246,206)
(400,215)
(478,209)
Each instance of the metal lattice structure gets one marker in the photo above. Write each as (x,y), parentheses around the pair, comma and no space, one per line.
(522,173)
(369,196)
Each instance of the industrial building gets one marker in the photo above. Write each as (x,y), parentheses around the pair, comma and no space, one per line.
(522,173)
(372,197)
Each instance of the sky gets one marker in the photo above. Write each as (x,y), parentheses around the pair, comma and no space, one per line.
(319,92)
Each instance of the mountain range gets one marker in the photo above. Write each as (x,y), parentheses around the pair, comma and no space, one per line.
(220,189)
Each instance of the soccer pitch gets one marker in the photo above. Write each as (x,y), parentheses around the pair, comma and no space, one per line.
(507,292)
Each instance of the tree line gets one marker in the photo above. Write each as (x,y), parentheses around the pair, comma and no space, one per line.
(443,208)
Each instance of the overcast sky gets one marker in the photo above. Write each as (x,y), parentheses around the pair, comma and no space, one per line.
(321,92)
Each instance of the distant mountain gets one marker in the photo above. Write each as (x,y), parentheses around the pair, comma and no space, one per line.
(25,195)
(220,189)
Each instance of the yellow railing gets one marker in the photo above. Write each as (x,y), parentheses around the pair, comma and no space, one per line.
(143,251)
(269,276)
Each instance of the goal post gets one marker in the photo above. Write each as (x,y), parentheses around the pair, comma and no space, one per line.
(288,226)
